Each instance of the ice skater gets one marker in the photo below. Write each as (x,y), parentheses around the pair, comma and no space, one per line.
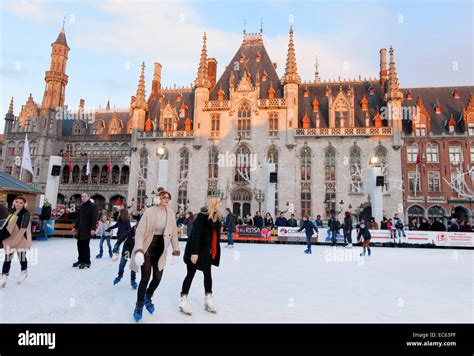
(123,225)
(128,244)
(202,251)
(16,236)
(364,234)
(156,229)
(103,234)
(308,227)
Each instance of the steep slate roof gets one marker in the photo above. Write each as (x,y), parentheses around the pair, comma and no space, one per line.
(447,102)
(62,38)
(7,182)
(250,49)
(170,96)
(102,115)
(318,90)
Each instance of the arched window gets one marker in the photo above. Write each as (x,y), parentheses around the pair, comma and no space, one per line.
(215,125)
(330,180)
(19,150)
(84,177)
(306,164)
(242,167)
(100,127)
(95,174)
(115,175)
(355,170)
(124,175)
(341,114)
(416,212)
(436,212)
(69,149)
(183,165)
(125,149)
(75,174)
(95,149)
(144,163)
(213,167)
(243,120)
(412,153)
(104,175)
(11,148)
(115,149)
(87,149)
(33,147)
(273,124)
(115,126)
(78,149)
(381,154)
(106,149)
(65,176)
(77,129)
(432,154)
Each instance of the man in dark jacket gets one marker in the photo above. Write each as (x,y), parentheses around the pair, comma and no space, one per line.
(437,225)
(292,222)
(230,227)
(84,230)
(333,227)
(258,220)
(308,227)
(281,220)
(44,218)
(454,225)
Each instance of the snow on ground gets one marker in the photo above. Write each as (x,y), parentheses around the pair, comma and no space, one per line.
(256,283)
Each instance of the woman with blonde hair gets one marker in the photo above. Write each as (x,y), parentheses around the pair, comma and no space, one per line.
(156,229)
(202,251)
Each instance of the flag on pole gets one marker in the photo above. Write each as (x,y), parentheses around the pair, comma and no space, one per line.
(418,158)
(88,168)
(108,166)
(26,160)
(69,163)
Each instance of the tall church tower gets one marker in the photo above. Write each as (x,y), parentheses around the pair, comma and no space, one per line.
(202,86)
(394,98)
(56,78)
(139,103)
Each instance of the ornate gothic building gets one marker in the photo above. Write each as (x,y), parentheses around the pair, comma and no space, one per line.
(306,146)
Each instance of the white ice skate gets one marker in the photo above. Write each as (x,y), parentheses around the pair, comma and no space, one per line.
(184,306)
(22,277)
(115,257)
(349,246)
(3,280)
(209,304)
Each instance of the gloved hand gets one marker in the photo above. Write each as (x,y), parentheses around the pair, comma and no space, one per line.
(176,253)
(139,258)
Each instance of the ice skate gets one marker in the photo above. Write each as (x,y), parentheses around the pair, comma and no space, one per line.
(184,306)
(209,304)
(117,280)
(349,246)
(22,277)
(99,255)
(3,280)
(307,251)
(148,304)
(138,312)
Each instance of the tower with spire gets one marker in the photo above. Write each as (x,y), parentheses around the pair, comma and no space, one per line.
(202,86)
(56,78)
(291,82)
(139,103)
(394,98)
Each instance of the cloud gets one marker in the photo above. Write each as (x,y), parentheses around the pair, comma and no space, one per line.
(34,11)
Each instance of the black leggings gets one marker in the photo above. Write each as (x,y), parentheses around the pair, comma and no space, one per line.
(8,262)
(153,254)
(189,279)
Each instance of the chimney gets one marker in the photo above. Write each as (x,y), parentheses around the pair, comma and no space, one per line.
(383,66)
(212,71)
(156,82)
(274,65)
(81,103)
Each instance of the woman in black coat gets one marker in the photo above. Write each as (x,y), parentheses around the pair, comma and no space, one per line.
(347,229)
(201,252)
(308,227)
(123,225)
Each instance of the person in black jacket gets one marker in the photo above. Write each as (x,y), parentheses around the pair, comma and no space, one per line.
(230,222)
(268,221)
(128,244)
(123,225)
(437,225)
(292,222)
(308,227)
(281,220)
(258,220)
(333,227)
(44,218)
(84,229)
(364,233)
(347,229)
(201,252)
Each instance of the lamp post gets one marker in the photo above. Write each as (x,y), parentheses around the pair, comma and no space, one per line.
(259,197)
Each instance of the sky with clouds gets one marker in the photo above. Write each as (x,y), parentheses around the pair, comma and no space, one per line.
(433,42)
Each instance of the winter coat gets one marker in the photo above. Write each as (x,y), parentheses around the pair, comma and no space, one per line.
(308,227)
(437,226)
(318,223)
(189,226)
(200,242)
(129,242)
(45,212)
(333,224)
(454,227)
(268,223)
(293,223)
(258,221)
(281,221)
(102,227)
(398,224)
(364,232)
(230,221)
(86,221)
(144,235)
(123,227)
(347,227)
(18,230)
(424,226)
(373,225)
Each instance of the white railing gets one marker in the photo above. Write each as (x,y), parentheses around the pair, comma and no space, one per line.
(345,131)
(166,134)
(217,104)
(272,103)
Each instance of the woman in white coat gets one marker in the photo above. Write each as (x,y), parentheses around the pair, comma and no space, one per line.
(155,231)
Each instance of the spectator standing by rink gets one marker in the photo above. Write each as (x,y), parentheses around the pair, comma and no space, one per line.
(308,228)
(292,222)
(84,230)
(281,220)
(239,221)
(347,229)
(258,220)
(268,221)
(188,221)
(248,220)
(364,233)
(16,237)
(318,222)
(230,223)
(44,217)
(425,225)
(399,228)
(437,225)
(333,227)
(413,224)
(103,234)
(466,227)
(373,224)
(123,225)
(454,227)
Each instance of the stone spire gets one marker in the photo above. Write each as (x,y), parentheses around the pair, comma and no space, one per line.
(291,73)
(140,101)
(10,107)
(317,78)
(202,80)
(392,74)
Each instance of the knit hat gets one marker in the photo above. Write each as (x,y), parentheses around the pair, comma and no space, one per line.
(204,210)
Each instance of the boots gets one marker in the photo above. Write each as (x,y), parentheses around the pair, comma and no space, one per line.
(3,280)
(22,277)
(148,304)
(209,304)
(138,312)
(184,306)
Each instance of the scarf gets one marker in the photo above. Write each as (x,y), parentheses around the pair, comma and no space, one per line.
(214,243)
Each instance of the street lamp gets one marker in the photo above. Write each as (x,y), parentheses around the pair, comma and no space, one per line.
(160,151)
(259,197)
(374,160)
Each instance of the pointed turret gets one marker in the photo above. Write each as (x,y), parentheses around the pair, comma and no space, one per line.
(291,72)
(202,80)
(317,78)
(140,101)
(392,74)
(10,107)
(62,37)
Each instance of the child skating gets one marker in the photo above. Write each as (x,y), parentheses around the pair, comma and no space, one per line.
(364,233)
(128,243)
(103,234)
